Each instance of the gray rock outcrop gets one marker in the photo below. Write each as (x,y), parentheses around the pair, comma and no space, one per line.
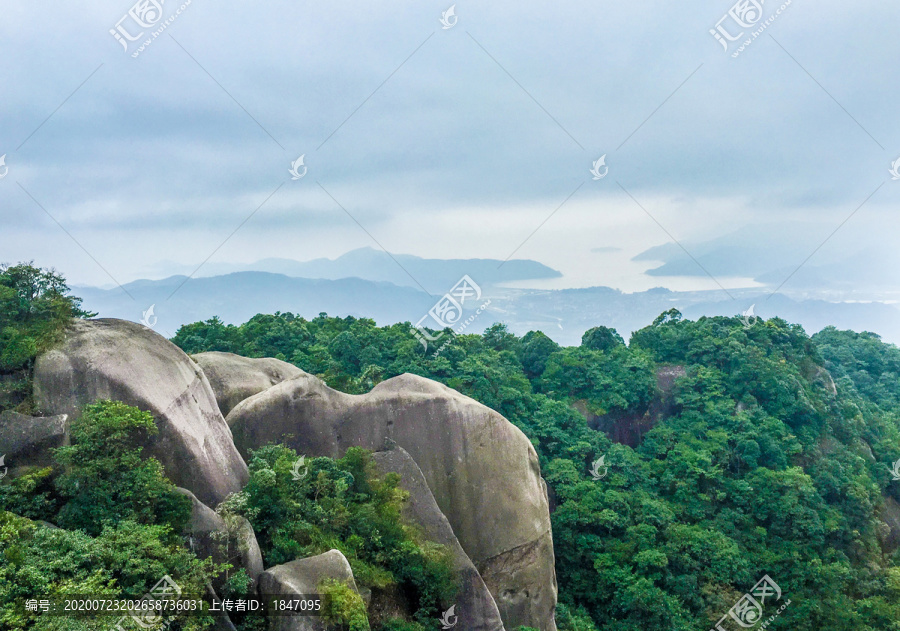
(26,441)
(124,361)
(889,537)
(475,607)
(208,535)
(481,469)
(302,578)
(234,378)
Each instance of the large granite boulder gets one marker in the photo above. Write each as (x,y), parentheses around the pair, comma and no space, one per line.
(234,378)
(302,578)
(124,361)
(208,535)
(475,607)
(26,441)
(482,470)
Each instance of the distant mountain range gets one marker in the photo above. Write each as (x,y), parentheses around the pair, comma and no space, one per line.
(434,275)
(565,314)
(235,298)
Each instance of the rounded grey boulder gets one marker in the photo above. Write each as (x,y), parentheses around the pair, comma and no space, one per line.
(481,469)
(124,361)
(234,378)
(302,578)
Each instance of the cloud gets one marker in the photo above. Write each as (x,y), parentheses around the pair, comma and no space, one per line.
(434,140)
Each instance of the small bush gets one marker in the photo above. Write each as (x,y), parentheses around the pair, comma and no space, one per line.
(343,606)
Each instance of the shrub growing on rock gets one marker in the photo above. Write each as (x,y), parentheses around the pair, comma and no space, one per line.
(107,480)
(300,508)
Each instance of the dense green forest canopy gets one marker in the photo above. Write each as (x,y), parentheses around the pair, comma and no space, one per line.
(765,451)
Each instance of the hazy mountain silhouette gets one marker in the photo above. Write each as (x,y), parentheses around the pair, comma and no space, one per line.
(434,275)
(236,298)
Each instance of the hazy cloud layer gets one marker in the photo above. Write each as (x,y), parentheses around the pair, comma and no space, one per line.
(472,141)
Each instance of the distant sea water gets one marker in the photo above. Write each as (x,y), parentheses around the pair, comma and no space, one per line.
(635,284)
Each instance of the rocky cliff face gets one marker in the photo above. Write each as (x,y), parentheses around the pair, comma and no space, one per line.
(629,429)
(473,477)
(301,578)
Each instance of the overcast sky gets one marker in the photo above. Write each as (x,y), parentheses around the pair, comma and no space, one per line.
(440,142)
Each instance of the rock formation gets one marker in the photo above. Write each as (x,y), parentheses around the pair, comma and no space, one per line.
(889,535)
(115,359)
(208,535)
(481,469)
(234,378)
(475,607)
(473,477)
(631,427)
(302,578)
(26,441)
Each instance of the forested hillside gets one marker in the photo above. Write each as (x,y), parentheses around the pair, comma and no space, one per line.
(767,453)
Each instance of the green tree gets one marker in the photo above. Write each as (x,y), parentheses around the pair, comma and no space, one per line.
(601,338)
(35,307)
(303,508)
(536,349)
(106,479)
